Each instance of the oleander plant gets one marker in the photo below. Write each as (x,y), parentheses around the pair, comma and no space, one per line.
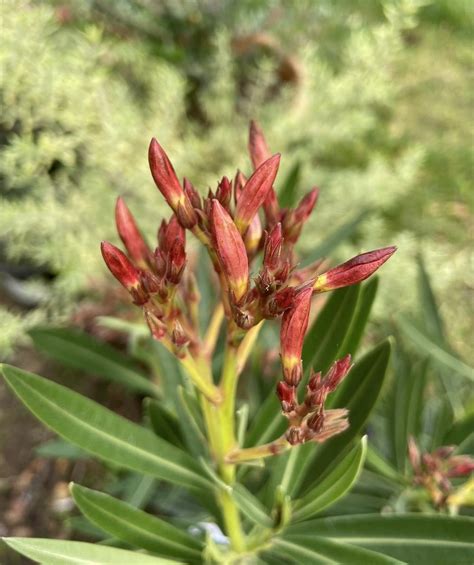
(255,448)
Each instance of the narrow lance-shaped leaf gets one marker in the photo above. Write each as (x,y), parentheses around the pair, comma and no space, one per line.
(336,483)
(134,526)
(80,351)
(319,550)
(360,318)
(103,433)
(326,335)
(61,552)
(412,538)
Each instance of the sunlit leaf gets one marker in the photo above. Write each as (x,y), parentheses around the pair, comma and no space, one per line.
(99,431)
(60,552)
(81,351)
(134,526)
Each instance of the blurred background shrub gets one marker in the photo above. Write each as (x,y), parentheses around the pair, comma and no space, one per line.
(370,100)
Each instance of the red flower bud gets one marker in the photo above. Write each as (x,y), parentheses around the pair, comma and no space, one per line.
(253,235)
(170,232)
(259,153)
(123,270)
(192,194)
(224,192)
(230,249)
(129,233)
(337,373)
(353,271)
(460,466)
(294,220)
(176,262)
(258,148)
(254,192)
(414,455)
(168,184)
(272,250)
(293,328)
(287,396)
(239,183)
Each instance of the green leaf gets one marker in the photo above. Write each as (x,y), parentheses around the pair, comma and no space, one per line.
(358,393)
(60,552)
(361,316)
(325,337)
(288,192)
(251,507)
(409,382)
(134,526)
(319,550)
(380,465)
(461,433)
(335,238)
(190,421)
(334,485)
(432,318)
(79,350)
(163,422)
(412,538)
(99,431)
(439,354)
(60,449)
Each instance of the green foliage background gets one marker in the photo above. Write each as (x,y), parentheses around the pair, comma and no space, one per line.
(377,110)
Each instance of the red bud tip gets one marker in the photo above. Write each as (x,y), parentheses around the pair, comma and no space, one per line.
(168,184)
(258,148)
(293,328)
(119,265)
(123,270)
(192,194)
(306,205)
(337,373)
(255,192)
(353,271)
(230,249)
(169,232)
(130,234)
(287,396)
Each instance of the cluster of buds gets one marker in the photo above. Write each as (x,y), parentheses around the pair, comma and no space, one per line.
(434,471)
(308,420)
(153,277)
(236,222)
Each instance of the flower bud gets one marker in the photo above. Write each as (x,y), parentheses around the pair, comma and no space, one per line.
(460,466)
(272,250)
(253,235)
(230,250)
(293,328)
(287,396)
(224,193)
(258,147)
(254,192)
(157,327)
(129,233)
(168,184)
(176,262)
(192,194)
(123,270)
(337,373)
(294,220)
(353,271)
(170,232)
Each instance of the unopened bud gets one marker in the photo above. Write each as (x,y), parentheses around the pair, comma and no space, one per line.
(123,270)
(254,192)
(167,182)
(129,233)
(353,271)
